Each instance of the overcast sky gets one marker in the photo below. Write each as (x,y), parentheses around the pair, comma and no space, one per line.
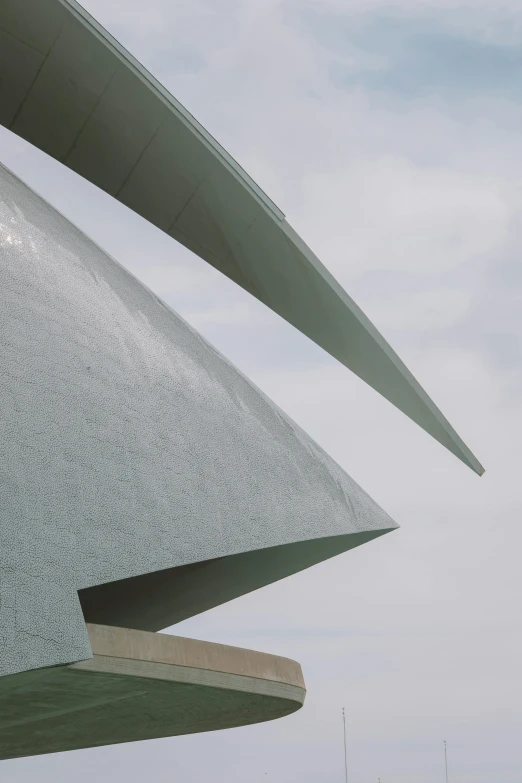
(389,132)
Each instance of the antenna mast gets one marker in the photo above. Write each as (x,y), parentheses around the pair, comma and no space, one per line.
(345,758)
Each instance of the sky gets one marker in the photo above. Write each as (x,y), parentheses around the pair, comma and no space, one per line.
(388,132)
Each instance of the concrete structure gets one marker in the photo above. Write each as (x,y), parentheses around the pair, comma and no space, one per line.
(181,686)
(120,129)
(144,479)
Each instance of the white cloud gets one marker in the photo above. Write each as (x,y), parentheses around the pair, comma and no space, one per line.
(387,213)
(489,21)
(429,310)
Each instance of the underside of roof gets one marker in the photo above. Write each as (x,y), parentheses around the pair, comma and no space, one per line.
(70,89)
(140,686)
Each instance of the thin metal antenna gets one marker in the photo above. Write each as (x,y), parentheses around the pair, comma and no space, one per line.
(345,757)
(446,760)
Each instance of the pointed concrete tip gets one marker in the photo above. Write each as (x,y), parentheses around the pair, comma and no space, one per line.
(126,134)
(354,341)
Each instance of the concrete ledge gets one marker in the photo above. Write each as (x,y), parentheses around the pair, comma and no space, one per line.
(140,685)
(161,648)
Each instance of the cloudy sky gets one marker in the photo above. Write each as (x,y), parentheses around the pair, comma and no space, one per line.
(388,131)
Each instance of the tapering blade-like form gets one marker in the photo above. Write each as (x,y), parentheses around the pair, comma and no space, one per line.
(70,89)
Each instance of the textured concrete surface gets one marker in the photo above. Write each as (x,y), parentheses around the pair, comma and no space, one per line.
(141,686)
(164,648)
(71,90)
(130,446)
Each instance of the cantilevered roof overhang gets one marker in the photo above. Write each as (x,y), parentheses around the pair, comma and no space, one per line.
(70,89)
(139,686)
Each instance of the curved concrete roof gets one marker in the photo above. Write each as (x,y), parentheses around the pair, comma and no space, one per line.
(70,89)
(135,454)
(141,686)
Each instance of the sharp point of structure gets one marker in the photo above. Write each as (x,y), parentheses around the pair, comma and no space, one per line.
(125,133)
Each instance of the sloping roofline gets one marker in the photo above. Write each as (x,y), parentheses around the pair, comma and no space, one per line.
(120,129)
(177,107)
